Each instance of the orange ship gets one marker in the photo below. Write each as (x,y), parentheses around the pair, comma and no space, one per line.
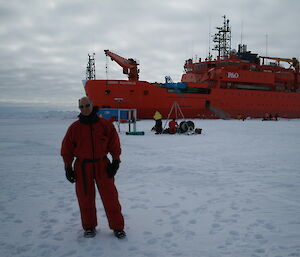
(233,85)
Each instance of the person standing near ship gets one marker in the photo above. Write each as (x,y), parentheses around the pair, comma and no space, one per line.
(89,140)
(158,123)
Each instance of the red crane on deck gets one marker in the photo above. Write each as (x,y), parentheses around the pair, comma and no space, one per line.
(129,65)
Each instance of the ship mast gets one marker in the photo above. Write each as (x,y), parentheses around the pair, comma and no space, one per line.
(90,68)
(223,40)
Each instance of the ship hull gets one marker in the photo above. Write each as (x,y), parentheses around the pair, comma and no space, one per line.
(210,103)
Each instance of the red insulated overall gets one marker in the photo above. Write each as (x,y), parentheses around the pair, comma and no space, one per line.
(90,144)
(172,126)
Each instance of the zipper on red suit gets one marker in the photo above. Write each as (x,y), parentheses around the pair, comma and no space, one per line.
(93,149)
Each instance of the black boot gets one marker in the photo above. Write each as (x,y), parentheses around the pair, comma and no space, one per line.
(119,234)
(89,233)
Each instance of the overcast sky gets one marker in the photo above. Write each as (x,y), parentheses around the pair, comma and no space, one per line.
(44,45)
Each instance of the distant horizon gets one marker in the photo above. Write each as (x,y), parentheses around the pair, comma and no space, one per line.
(35,105)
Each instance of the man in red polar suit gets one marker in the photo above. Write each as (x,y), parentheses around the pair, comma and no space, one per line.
(89,140)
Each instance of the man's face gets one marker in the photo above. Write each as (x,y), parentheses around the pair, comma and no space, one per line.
(85,107)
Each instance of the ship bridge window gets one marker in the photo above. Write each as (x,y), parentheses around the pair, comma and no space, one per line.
(201,66)
(190,90)
(211,65)
(222,64)
(107,92)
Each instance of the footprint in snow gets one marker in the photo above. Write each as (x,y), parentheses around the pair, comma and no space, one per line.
(184,212)
(270,226)
(53,221)
(294,254)
(200,209)
(139,206)
(260,250)
(175,222)
(70,253)
(234,206)
(168,234)
(189,234)
(174,205)
(258,236)
(152,241)
(9,216)
(75,214)
(166,212)
(234,233)
(45,234)
(215,228)
(27,233)
(218,215)
(147,233)
(159,222)
(133,249)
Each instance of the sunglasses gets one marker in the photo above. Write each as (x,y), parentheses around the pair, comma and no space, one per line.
(86,106)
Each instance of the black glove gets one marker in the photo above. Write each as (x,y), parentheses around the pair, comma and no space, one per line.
(70,175)
(112,168)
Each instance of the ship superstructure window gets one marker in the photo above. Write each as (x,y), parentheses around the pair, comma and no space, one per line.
(107,92)
(146,92)
(211,65)
(190,90)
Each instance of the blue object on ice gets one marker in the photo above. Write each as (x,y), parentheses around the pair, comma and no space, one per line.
(107,113)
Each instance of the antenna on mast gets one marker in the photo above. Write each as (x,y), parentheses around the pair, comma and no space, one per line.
(209,37)
(266,44)
(242,32)
(223,40)
(90,68)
